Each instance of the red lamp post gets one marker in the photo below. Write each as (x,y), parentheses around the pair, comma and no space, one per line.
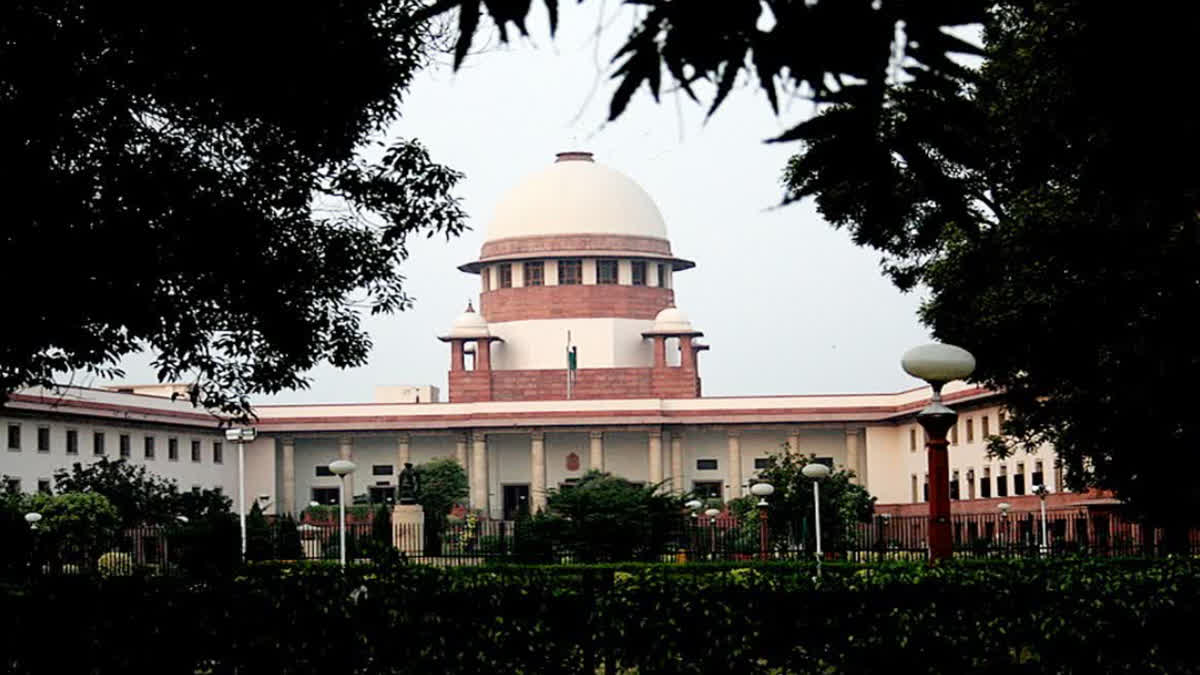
(938,364)
(762,490)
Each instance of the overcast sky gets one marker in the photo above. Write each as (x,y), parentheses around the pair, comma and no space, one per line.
(788,304)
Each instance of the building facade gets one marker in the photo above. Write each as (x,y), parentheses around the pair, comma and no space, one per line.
(576,359)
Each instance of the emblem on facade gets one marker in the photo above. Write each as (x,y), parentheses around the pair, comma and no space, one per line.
(572,462)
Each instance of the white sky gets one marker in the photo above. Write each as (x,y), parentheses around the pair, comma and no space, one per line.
(788,304)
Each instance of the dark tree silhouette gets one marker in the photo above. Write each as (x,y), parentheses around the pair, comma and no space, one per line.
(186,180)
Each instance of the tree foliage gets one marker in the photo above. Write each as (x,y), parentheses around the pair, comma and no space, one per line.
(77,521)
(186,181)
(602,518)
(139,496)
(831,50)
(1053,220)
(442,483)
(791,509)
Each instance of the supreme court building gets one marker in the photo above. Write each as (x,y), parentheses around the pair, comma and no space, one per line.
(575,358)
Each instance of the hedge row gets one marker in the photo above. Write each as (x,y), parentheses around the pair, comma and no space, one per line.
(1027,616)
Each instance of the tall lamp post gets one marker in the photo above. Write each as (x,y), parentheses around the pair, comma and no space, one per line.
(762,491)
(1041,492)
(342,468)
(693,506)
(712,524)
(938,364)
(817,472)
(33,518)
(241,436)
(1004,507)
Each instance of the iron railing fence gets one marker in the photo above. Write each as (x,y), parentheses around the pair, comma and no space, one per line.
(190,550)
(150,550)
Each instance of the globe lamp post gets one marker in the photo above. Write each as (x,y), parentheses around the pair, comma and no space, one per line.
(712,525)
(817,472)
(33,518)
(762,491)
(1041,492)
(938,364)
(342,468)
(241,436)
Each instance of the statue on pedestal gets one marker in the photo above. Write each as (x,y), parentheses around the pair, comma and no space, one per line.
(407,485)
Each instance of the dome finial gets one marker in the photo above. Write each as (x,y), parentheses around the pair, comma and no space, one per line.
(470,307)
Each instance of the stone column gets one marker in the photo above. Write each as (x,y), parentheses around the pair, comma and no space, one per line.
(537,460)
(656,460)
(346,451)
(677,462)
(456,356)
(460,451)
(479,474)
(687,353)
(660,351)
(852,454)
(483,354)
(596,456)
(287,500)
(403,453)
(733,475)
(794,442)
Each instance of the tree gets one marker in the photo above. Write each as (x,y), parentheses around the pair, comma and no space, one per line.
(441,483)
(790,511)
(604,518)
(139,496)
(259,544)
(1055,227)
(290,545)
(193,177)
(80,525)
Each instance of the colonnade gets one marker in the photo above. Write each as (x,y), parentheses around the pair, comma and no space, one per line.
(664,459)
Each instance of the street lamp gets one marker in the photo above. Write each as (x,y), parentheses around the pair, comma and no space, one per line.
(342,468)
(817,472)
(712,531)
(33,518)
(241,436)
(762,491)
(1004,507)
(1041,492)
(938,364)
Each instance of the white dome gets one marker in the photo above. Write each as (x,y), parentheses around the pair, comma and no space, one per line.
(469,324)
(672,320)
(575,195)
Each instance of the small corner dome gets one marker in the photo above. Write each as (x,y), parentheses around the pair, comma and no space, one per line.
(672,320)
(469,324)
(573,196)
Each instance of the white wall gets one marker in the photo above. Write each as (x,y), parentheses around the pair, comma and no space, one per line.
(558,447)
(542,343)
(892,482)
(887,463)
(29,465)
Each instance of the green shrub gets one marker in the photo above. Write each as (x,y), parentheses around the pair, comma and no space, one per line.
(1041,616)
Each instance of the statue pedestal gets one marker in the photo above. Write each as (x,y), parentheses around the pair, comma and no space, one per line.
(408,528)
